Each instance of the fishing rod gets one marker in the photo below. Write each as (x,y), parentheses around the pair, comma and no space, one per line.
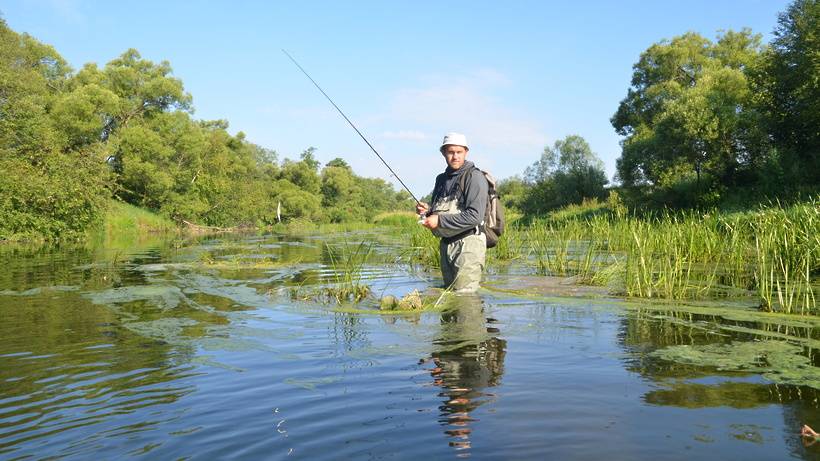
(351,124)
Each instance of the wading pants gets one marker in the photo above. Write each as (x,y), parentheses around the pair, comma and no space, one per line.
(462,262)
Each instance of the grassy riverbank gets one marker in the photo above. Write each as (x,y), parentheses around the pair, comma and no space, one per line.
(122,218)
(769,256)
(126,223)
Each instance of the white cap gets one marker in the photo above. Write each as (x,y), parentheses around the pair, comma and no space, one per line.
(455,139)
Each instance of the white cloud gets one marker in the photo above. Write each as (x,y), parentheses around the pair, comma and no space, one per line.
(467,104)
(503,138)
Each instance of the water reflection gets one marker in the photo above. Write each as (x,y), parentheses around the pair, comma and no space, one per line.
(69,367)
(469,359)
(737,382)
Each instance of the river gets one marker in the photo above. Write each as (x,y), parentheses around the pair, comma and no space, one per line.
(204,349)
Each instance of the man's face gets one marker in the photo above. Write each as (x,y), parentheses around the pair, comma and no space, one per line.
(454,155)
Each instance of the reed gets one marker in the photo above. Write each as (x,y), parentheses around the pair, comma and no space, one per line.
(424,247)
(510,245)
(347,264)
(772,253)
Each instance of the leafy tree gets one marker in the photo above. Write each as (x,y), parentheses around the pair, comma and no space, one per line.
(339,186)
(568,172)
(309,158)
(789,91)
(542,169)
(688,116)
(303,175)
(512,191)
(82,114)
(339,163)
(45,191)
(296,202)
(69,140)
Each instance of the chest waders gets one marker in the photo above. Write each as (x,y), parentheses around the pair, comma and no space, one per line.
(462,256)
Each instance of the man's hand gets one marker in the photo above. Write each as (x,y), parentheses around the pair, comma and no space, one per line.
(431,222)
(422,208)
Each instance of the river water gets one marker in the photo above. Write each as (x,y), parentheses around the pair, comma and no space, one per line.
(206,349)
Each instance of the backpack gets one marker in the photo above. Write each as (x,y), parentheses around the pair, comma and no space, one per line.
(493,223)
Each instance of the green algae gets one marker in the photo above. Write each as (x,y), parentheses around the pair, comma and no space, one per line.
(39,290)
(778,361)
(166,329)
(311,383)
(165,297)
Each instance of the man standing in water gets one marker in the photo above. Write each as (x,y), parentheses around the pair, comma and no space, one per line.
(457,216)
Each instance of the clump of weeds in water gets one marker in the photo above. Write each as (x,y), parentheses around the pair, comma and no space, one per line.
(347,265)
(787,250)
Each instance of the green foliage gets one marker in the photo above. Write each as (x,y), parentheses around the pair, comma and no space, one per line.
(688,118)
(58,198)
(68,141)
(788,92)
(47,190)
(708,123)
(512,192)
(567,173)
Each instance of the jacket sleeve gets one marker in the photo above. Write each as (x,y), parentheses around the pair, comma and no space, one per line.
(475,190)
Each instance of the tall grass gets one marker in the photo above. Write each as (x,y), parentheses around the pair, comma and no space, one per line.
(347,264)
(124,219)
(424,247)
(772,253)
(396,218)
(787,250)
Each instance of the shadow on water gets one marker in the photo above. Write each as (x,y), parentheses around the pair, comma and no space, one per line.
(469,360)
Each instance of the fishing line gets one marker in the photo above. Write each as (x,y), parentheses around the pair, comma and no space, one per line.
(351,124)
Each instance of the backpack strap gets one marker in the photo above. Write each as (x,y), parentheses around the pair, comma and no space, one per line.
(462,183)
(436,190)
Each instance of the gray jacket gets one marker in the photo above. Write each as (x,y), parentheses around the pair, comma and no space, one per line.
(472,202)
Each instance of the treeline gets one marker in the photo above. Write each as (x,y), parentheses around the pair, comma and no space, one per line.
(729,121)
(70,141)
(567,173)
(724,123)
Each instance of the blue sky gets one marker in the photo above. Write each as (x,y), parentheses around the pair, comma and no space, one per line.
(513,76)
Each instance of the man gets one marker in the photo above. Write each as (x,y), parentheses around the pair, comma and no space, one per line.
(457,216)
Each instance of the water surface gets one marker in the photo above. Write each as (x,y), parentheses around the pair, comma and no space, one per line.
(196,350)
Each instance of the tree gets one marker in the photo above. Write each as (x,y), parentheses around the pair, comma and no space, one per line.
(789,90)
(543,168)
(688,117)
(568,172)
(340,163)
(303,175)
(512,192)
(309,158)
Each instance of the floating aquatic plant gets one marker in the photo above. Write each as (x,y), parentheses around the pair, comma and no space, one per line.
(779,361)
